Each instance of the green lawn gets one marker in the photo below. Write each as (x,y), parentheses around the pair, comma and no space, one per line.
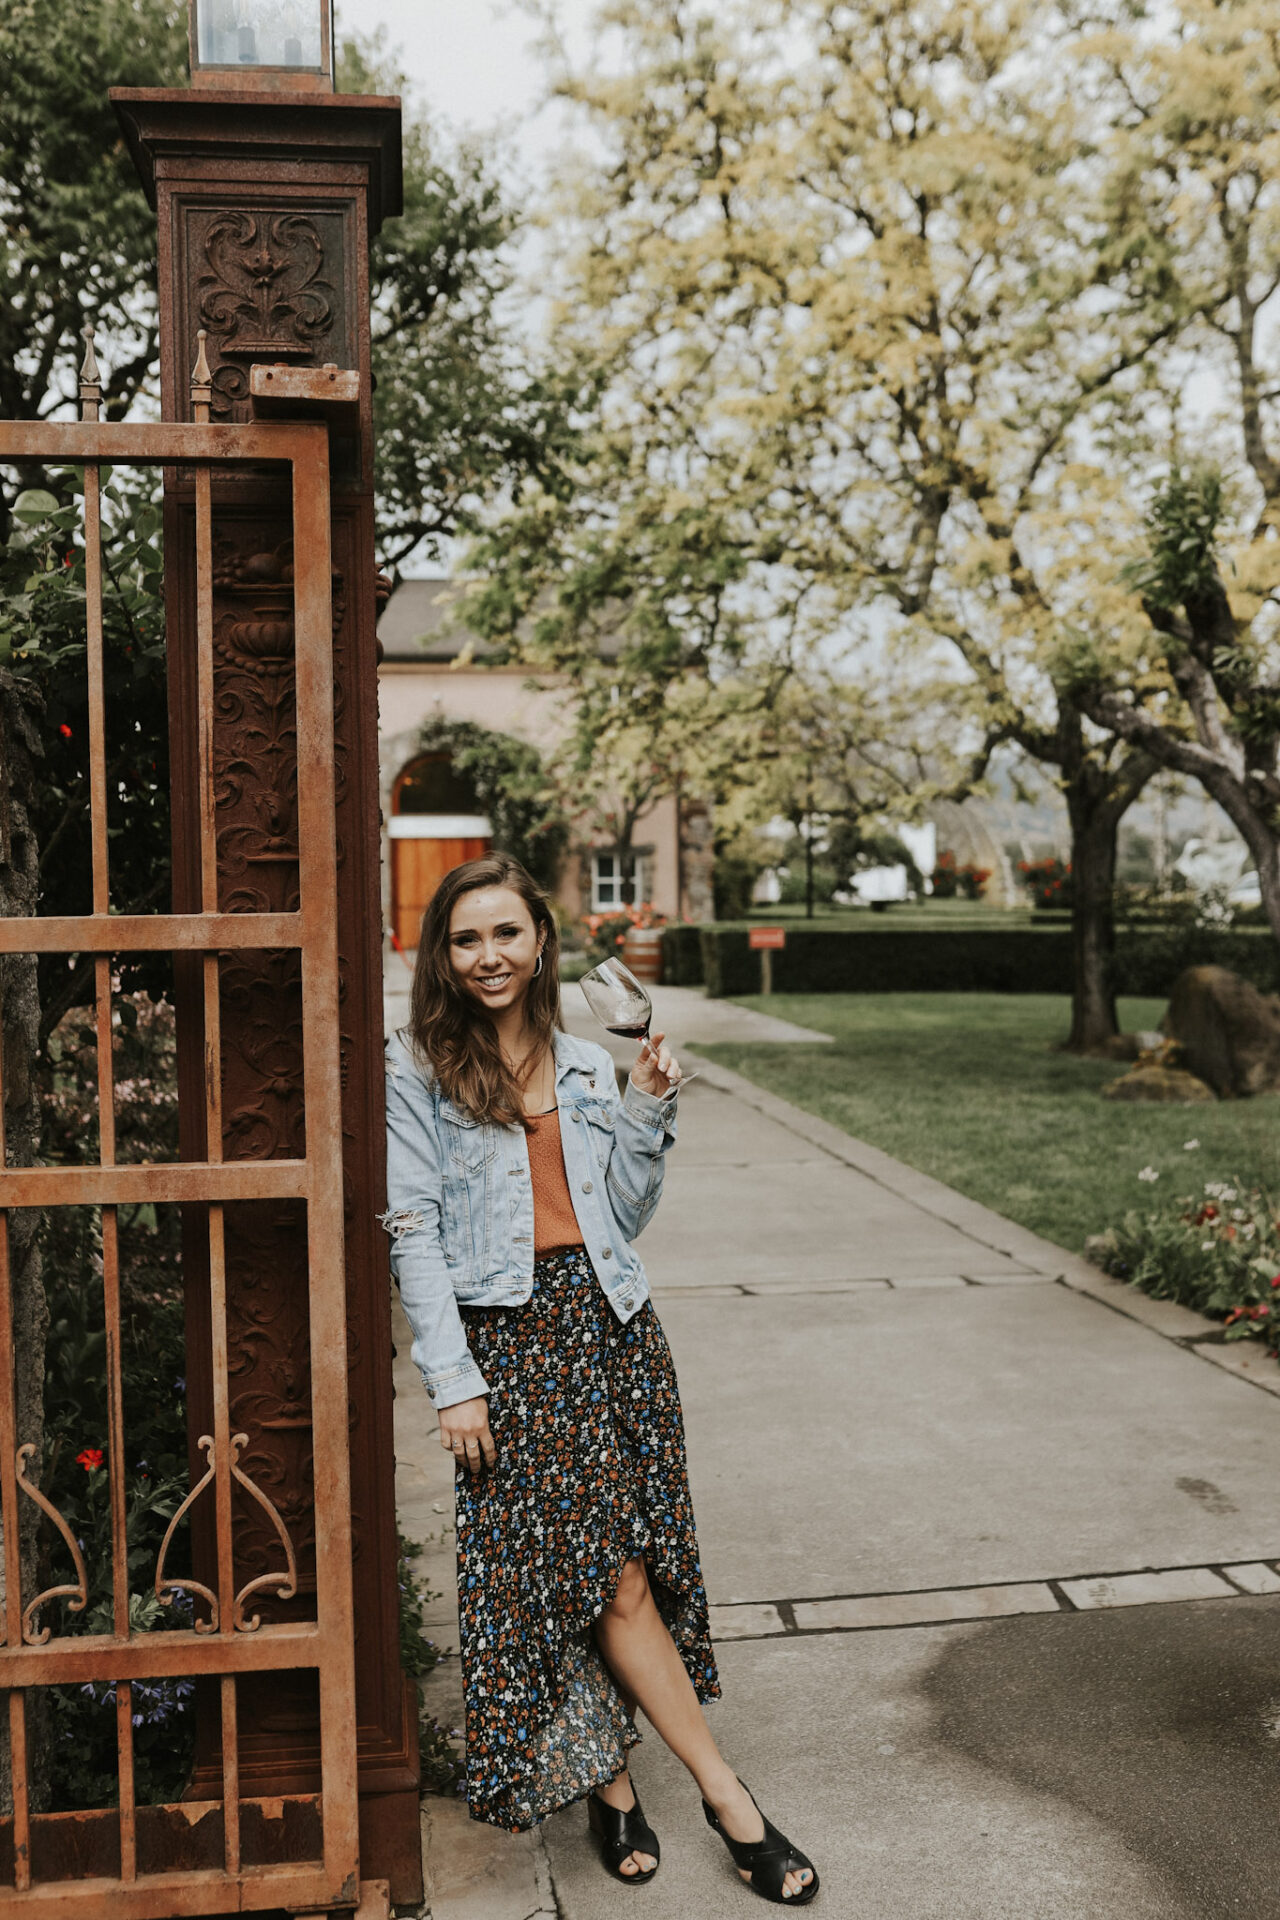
(947,915)
(969,1088)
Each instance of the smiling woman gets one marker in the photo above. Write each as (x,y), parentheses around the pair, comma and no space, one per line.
(518,1181)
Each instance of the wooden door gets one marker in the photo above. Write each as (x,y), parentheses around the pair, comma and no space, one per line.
(417,868)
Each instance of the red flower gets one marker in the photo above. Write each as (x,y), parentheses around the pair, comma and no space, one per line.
(65,731)
(89,1459)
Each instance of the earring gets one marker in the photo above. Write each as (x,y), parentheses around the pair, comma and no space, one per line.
(538,968)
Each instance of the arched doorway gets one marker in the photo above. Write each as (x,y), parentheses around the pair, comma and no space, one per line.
(436,824)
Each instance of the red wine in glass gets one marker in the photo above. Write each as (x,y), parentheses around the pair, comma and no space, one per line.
(640,1032)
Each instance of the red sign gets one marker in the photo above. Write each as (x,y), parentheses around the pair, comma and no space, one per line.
(766,937)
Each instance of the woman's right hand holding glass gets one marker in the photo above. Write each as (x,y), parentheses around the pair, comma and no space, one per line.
(464,1432)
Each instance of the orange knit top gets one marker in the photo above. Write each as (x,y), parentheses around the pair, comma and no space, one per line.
(554,1221)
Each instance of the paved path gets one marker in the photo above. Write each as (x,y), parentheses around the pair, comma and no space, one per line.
(989,1543)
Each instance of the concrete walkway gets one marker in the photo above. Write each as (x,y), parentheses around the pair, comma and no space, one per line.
(990,1543)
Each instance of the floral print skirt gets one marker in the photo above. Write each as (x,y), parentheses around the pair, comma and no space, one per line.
(585,1415)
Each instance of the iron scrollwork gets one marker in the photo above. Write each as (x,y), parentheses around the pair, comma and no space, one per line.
(79,1592)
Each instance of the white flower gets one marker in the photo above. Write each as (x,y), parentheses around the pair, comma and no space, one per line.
(1189,1146)
(1149,1173)
(1206,1246)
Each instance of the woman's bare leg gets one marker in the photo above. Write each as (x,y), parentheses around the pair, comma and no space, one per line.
(642,1657)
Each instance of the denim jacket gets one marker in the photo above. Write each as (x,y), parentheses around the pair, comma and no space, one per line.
(460,1201)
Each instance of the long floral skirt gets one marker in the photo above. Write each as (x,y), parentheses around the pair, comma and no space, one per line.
(585,1415)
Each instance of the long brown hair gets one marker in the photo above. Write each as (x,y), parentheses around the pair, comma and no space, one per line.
(451,1033)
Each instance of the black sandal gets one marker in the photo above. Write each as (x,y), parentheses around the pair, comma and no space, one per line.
(768,1861)
(621,1834)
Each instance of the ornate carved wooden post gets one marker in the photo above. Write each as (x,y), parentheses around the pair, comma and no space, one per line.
(266,205)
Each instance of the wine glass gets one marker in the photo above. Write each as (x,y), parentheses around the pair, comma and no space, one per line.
(621,1005)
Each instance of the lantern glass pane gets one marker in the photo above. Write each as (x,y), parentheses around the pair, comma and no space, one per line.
(260,33)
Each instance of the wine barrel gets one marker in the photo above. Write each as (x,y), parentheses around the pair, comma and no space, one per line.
(642,952)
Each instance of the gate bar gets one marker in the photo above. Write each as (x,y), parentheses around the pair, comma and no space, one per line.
(148,932)
(9,1519)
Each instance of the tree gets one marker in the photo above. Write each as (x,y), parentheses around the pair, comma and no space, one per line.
(841,757)
(78,238)
(843,281)
(1192,188)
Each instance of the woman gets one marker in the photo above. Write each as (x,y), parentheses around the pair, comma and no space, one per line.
(517,1180)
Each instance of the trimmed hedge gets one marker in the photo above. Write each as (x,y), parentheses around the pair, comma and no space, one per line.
(977,960)
(682,956)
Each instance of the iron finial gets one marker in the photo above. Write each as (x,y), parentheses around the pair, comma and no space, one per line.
(201,380)
(90,376)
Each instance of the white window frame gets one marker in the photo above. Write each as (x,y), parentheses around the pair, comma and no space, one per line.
(613,880)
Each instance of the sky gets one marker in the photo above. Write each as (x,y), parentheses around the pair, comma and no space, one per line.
(475,64)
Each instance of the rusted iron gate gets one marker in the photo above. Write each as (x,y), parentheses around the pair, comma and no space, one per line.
(224,1854)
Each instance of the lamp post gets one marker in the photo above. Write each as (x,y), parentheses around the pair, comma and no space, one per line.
(267,187)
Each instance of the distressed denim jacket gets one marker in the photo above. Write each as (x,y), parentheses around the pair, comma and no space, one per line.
(460,1202)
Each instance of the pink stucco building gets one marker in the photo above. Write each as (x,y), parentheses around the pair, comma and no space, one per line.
(431,821)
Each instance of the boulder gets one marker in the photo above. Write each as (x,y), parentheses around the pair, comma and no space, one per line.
(1228,1032)
(1167,1086)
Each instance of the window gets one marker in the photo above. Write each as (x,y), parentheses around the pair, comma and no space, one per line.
(606,881)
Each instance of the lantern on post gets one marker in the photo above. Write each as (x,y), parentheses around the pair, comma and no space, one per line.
(275,46)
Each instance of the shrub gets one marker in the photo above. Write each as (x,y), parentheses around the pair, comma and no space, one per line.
(793,885)
(511,787)
(732,881)
(1048,881)
(442,1764)
(82,1758)
(606,933)
(1217,1251)
(892,959)
(682,955)
(950,881)
(902,959)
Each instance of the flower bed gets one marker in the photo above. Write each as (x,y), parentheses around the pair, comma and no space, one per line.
(1217,1250)
(606,933)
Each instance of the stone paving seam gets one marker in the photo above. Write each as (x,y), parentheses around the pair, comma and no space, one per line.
(1147,1589)
(1253,1576)
(931,1606)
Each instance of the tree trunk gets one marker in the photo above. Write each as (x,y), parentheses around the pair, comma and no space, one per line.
(19,1037)
(1094,833)
(1098,795)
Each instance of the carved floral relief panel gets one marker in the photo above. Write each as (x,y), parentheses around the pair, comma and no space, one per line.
(267,284)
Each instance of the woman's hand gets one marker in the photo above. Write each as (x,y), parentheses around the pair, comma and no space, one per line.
(656,1071)
(464,1431)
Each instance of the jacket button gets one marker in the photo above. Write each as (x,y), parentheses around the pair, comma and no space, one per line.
(586,1186)
(431,1393)
(575,1117)
(608,1253)
(627,1305)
